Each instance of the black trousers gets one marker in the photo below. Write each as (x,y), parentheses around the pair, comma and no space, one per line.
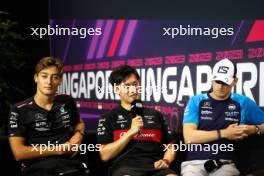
(132,171)
(54,167)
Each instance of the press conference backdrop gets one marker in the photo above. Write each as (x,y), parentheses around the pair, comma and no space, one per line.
(173,57)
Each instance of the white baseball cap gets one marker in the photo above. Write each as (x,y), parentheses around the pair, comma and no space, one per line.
(225,71)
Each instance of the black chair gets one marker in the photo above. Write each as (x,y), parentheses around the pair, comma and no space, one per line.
(250,154)
(7,158)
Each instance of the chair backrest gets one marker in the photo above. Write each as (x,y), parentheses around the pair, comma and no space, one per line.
(7,159)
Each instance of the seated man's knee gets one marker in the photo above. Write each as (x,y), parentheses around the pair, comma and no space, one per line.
(123,171)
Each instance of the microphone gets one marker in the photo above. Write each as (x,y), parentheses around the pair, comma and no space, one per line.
(137,110)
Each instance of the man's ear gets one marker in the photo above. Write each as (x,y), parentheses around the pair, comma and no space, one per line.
(235,81)
(117,89)
(60,80)
(35,78)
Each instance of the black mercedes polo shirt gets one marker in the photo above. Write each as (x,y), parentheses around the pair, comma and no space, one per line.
(40,126)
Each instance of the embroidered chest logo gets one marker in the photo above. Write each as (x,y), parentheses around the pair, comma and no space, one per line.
(206,105)
(41,123)
(231,107)
(62,109)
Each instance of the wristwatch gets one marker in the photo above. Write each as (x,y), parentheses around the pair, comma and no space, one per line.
(166,161)
(258,132)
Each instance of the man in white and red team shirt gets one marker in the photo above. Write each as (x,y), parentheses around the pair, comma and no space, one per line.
(133,143)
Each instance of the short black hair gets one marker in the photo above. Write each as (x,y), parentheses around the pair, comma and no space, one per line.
(121,73)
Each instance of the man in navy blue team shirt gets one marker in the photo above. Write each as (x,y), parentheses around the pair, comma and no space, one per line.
(216,120)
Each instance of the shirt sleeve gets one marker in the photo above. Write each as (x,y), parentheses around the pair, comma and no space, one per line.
(104,130)
(167,136)
(15,125)
(191,113)
(251,113)
(75,116)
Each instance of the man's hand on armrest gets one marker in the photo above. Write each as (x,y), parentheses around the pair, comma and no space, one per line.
(22,152)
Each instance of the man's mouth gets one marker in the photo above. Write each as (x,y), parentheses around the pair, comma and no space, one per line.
(221,92)
(134,95)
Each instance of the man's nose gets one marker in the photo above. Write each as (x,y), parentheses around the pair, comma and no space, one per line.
(222,86)
(133,89)
(49,80)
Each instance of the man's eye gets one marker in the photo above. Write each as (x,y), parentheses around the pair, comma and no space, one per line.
(55,77)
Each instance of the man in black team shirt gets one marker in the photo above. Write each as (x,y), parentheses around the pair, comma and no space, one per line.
(46,130)
(133,153)
(213,121)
